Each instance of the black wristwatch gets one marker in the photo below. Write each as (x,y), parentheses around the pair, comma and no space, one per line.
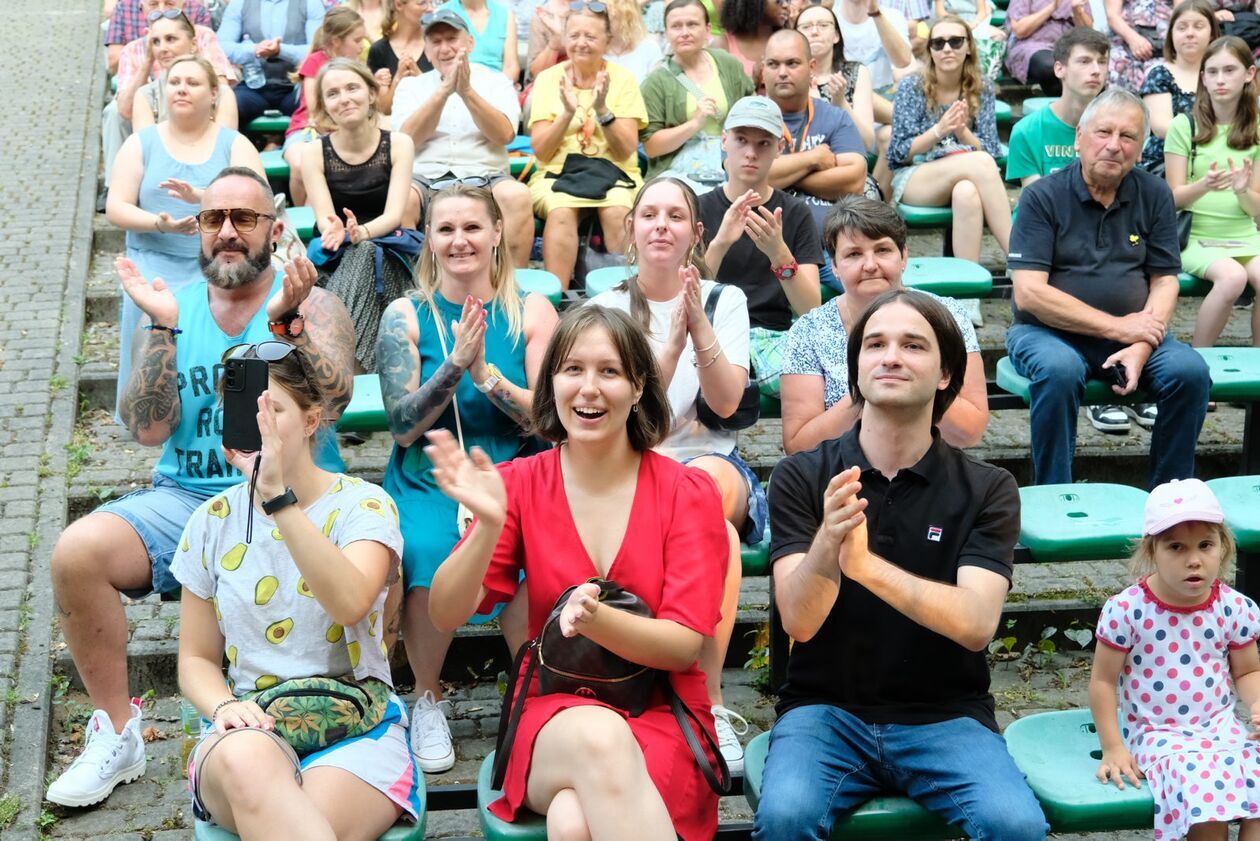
(285,499)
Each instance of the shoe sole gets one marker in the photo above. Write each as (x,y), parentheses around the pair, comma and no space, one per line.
(434,767)
(1138,419)
(1117,428)
(127,775)
(736,767)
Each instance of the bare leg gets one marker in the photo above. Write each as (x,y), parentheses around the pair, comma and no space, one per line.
(1212,831)
(1229,279)
(518,219)
(560,243)
(565,821)
(881,173)
(613,222)
(1249,830)
(591,752)
(932,185)
(968,221)
(426,645)
(355,810)
(95,558)
(1253,278)
(297,190)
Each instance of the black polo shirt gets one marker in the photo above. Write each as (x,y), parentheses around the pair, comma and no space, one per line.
(947,511)
(1104,256)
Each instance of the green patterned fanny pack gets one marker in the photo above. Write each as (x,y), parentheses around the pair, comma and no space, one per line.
(312,713)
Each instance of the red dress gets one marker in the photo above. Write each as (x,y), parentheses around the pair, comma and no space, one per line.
(674,557)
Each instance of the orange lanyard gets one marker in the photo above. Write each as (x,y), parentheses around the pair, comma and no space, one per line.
(809,121)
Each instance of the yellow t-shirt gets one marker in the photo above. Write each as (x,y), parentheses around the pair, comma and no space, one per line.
(623,100)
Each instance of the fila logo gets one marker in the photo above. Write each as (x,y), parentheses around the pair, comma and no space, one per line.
(934,534)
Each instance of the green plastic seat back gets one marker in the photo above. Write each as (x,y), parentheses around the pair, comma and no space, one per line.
(303,221)
(274,164)
(951,276)
(1240,500)
(1059,753)
(1080,522)
(268,124)
(366,412)
(1002,112)
(1235,372)
(771,407)
(755,560)
(526,827)
(925,217)
(1033,104)
(603,279)
(541,281)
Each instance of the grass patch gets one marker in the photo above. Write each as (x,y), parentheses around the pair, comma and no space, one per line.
(10,806)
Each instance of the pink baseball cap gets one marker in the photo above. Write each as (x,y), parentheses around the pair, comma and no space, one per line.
(1180,501)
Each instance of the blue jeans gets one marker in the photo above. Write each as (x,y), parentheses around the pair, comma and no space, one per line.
(824,761)
(251,102)
(1059,363)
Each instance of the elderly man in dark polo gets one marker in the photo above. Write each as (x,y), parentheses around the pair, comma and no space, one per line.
(1094,262)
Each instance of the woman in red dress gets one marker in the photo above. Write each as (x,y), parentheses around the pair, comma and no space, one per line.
(599,504)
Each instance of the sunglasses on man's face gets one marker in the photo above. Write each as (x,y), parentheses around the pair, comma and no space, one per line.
(243,219)
(588,5)
(170,14)
(954,43)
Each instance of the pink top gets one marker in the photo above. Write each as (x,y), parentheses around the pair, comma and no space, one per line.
(308,70)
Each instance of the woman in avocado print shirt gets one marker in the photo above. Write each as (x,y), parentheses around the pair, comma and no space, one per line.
(298,592)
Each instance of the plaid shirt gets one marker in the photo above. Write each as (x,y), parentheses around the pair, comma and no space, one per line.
(127,23)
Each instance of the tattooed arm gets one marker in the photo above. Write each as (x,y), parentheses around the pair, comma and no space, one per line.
(410,406)
(327,343)
(150,407)
(516,401)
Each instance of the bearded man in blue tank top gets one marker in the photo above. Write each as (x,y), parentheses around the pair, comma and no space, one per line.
(171,401)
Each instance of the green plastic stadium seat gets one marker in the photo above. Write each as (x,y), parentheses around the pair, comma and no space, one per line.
(1059,753)
(1192,286)
(398,832)
(881,817)
(1002,112)
(518,163)
(1001,4)
(1035,103)
(952,276)
(1235,372)
(771,407)
(998,18)
(541,281)
(925,217)
(268,125)
(303,221)
(755,560)
(1240,500)
(1097,392)
(275,165)
(601,280)
(1080,522)
(366,412)
(526,827)
(521,143)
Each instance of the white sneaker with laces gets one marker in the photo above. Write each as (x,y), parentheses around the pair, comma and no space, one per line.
(1108,419)
(108,759)
(431,746)
(728,736)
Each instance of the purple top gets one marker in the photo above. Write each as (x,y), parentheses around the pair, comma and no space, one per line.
(1020,50)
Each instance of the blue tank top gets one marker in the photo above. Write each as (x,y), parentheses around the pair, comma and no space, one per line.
(159,166)
(488,44)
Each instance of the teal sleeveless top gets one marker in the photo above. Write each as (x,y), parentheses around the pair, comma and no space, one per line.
(488,44)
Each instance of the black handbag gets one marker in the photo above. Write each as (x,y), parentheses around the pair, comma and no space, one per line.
(749,402)
(578,666)
(589,178)
(1245,25)
(1151,35)
(1185,217)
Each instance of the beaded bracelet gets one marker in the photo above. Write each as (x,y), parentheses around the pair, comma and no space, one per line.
(174,331)
(214,716)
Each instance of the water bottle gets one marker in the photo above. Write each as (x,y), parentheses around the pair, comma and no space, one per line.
(190,718)
(253,73)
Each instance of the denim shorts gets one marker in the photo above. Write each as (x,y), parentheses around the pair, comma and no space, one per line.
(158,514)
(302,135)
(754,528)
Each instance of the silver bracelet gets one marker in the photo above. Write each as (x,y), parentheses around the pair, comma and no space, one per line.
(711,361)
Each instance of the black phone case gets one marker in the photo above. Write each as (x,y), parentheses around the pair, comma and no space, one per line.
(243,381)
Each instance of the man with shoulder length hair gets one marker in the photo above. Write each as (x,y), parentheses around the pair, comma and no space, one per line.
(1045,141)
(1094,263)
(171,401)
(892,555)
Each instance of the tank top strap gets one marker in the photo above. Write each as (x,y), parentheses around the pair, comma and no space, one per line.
(223,142)
(150,144)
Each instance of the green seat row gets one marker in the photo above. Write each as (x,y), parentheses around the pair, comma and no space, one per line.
(303,221)
(274,164)
(998,18)
(268,124)
(400,831)
(541,281)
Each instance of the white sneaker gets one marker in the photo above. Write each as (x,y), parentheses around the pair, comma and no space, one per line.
(108,758)
(1144,413)
(1108,419)
(431,746)
(972,305)
(728,737)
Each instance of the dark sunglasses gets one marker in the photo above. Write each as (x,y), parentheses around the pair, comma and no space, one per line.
(243,219)
(467,181)
(271,350)
(169,14)
(589,5)
(938,44)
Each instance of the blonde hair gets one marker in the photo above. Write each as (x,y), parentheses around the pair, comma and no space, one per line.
(502,272)
(1142,561)
(338,23)
(320,117)
(625,18)
(639,309)
(971,83)
(212,76)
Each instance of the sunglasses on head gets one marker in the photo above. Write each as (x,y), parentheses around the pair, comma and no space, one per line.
(243,219)
(954,43)
(467,181)
(169,14)
(589,5)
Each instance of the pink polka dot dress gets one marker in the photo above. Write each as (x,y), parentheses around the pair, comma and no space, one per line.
(1177,703)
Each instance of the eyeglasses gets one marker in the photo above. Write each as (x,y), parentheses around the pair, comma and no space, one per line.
(954,43)
(467,181)
(816,26)
(590,5)
(169,14)
(243,219)
(268,351)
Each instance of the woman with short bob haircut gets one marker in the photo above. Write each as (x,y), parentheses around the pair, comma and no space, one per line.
(601,503)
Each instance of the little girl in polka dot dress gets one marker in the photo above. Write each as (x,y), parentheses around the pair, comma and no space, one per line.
(1179,644)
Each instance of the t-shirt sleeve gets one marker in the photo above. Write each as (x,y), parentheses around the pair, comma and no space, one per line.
(1163,252)
(1177,140)
(799,353)
(696,552)
(192,565)
(1021,161)
(1115,626)
(545,105)
(844,137)
(731,325)
(1032,236)
(795,505)
(805,243)
(502,96)
(991,541)
(654,98)
(1157,81)
(1244,627)
(625,100)
(503,574)
(371,515)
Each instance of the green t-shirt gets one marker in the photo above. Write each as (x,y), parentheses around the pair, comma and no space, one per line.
(1040,144)
(1217,215)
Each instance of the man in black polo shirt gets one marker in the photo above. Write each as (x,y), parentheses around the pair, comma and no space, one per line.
(892,556)
(1094,262)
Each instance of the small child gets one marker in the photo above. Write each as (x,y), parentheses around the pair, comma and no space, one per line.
(1179,644)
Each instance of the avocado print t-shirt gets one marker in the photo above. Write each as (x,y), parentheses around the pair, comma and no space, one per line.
(273,627)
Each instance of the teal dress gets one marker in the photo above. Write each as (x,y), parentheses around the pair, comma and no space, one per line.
(428,515)
(488,44)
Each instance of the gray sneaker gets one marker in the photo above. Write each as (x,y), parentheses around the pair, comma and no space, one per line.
(1144,413)
(1110,419)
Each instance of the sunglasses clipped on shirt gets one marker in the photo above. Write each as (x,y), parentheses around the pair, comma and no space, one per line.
(954,43)
(243,219)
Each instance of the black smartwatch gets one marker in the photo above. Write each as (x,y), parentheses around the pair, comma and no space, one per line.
(285,499)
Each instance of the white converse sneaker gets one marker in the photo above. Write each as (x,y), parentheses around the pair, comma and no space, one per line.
(728,736)
(108,758)
(431,746)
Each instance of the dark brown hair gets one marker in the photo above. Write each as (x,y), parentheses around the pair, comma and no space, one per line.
(646,427)
(1245,132)
(837,49)
(949,344)
(675,5)
(1082,36)
(1199,7)
(638,302)
(872,219)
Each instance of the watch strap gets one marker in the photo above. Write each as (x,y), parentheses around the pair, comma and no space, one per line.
(285,499)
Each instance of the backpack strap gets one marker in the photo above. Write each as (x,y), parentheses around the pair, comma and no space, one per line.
(514,704)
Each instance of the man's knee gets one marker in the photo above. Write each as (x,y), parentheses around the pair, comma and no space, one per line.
(788,818)
(1181,368)
(1044,358)
(1010,821)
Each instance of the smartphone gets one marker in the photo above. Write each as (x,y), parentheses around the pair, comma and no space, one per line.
(243,381)
(1120,375)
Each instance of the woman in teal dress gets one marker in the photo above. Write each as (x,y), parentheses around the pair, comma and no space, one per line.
(1213,167)
(493,27)
(461,354)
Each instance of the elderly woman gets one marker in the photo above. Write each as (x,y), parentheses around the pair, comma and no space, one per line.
(584,124)
(1035,25)
(170,38)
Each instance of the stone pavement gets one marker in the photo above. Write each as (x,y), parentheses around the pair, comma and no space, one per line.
(47,191)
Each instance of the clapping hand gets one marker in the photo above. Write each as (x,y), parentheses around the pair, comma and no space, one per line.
(268,48)
(462,73)
(406,67)
(358,233)
(167,224)
(601,92)
(843,514)
(580,609)
(1239,177)
(299,279)
(953,120)
(181,190)
(765,229)
(1216,178)
(383,77)
(470,479)
(568,93)
(470,334)
(154,299)
(733,220)
(693,307)
(333,235)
